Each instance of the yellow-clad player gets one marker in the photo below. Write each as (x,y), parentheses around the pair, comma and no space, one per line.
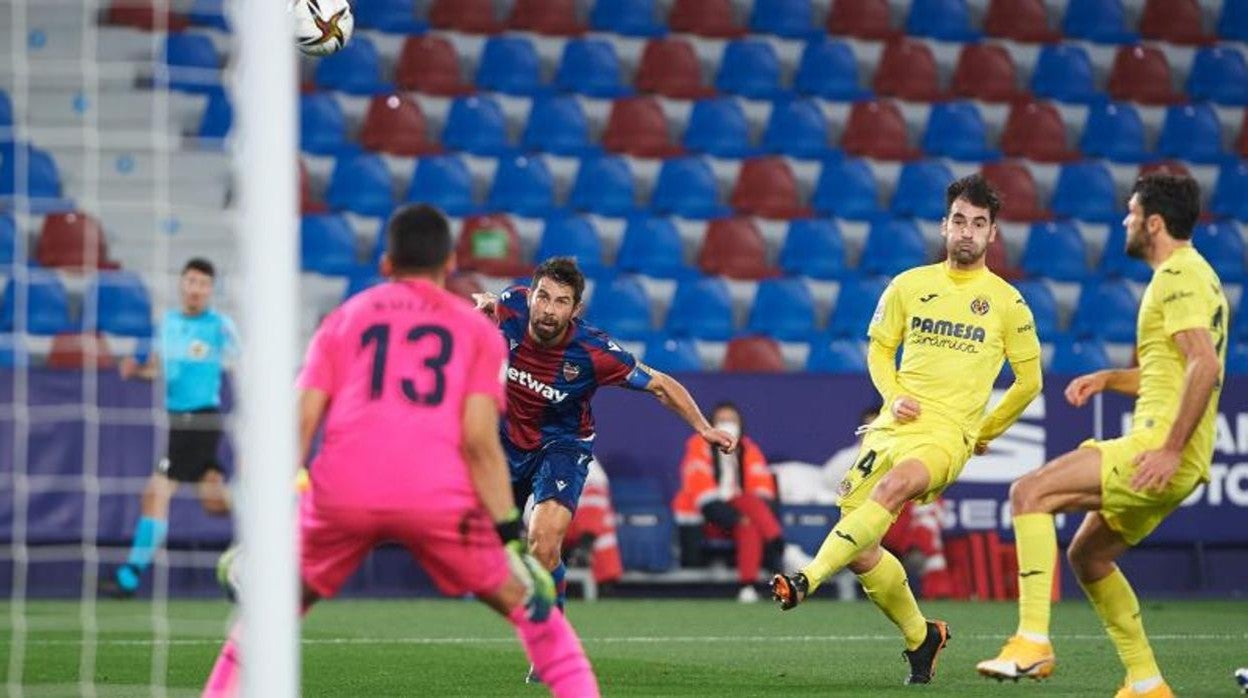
(956,322)
(1129,484)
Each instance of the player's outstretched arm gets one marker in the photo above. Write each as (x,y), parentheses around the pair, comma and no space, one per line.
(148,370)
(1026,386)
(1119,380)
(882,367)
(312,405)
(675,397)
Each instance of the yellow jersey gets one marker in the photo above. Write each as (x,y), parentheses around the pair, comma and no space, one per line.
(955,328)
(1184,293)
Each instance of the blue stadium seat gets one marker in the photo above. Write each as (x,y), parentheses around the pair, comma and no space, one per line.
(1055,250)
(687,187)
(1233,22)
(355,69)
(783,309)
(837,356)
(361,184)
(652,246)
(948,20)
(1074,357)
(621,308)
(1239,320)
(794,19)
(846,189)
(1102,21)
(1114,130)
(855,303)
(1116,263)
(644,524)
(1106,310)
(957,130)
(813,248)
(1043,306)
(476,124)
(193,63)
(123,306)
(893,246)
(1085,190)
(1192,132)
(445,182)
(1230,193)
(628,17)
(590,67)
(604,185)
(1222,243)
(327,245)
(1219,74)
(1237,359)
(218,116)
(750,68)
(557,124)
(9,242)
(1064,72)
(718,127)
(322,125)
(510,64)
(828,69)
(47,305)
(361,280)
(672,355)
(393,16)
(6,114)
(43,181)
(701,309)
(211,13)
(798,128)
(921,190)
(571,235)
(522,184)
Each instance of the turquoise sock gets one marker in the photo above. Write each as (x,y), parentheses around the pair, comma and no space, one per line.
(149,535)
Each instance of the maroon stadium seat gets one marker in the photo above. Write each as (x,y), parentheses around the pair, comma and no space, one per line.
(670,67)
(464,284)
(734,247)
(65,239)
(1241,143)
(877,130)
(1021,20)
(1013,180)
(1176,21)
(429,64)
(141,14)
(999,262)
(907,70)
(1142,74)
(74,351)
(551,17)
(1035,131)
(766,187)
(308,201)
(711,18)
(864,19)
(395,124)
(472,16)
(753,355)
(637,126)
(489,244)
(986,72)
(1173,167)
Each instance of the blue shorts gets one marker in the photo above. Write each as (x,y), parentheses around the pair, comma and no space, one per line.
(555,472)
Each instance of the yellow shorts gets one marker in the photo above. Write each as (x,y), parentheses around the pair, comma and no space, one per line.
(1135,514)
(943,450)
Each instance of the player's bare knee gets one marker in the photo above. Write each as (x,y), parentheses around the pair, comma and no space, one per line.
(892,492)
(1025,494)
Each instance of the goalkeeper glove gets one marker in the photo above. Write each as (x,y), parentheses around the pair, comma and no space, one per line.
(539,595)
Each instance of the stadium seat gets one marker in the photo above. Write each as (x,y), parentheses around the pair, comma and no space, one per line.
(709,18)
(1043,307)
(862,19)
(145,17)
(1064,72)
(828,69)
(1239,320)
(948,20)
(621,308)
(1237,359)
(1233,22)
(42,185)
(753,355)
(1241,143)
(1020,20)
(1102,21)
(464,284)
(893,246)
(395,124)
(734,247)
(921,190)
(1192,132)
(557,124)
(652,246)
(1114,260)
(215,123)
(1020,200)
(1230,192)
(854,305)
(489,244)
(846,189)
(392,16)
(192,62)
(907,70)
(1055,250)
(211,13)
(1222,244)
(362,280)
(813,247)
(322,125)
(798,128)
(476,124)
(523,185)
(571,235)
(1034,130)
(644,523)
(956,130)
(749,68)
(6,114)
(122,304)
(430,65)
(309,201)
(327,245)
(1085,190)
(1172,167)
(80,351)
(687,187)
(1220,75)
(72,241)
(1115,131)
(590,67)
(836,356)
(549,17)
(470,16)
(1075,357)
(794,19)
(637,126)
(783,309)
(670,67)
(10,244)
(766,187)
(361,184)
(356,69)
(1107,311)
(876,129)
(1175,21)
(718,127)
(47,305)
(672,355)
(1142,74)
(603,185)
(702,309)
(443,181)
(627,17)
(510,64)
(997,258)
(985,72)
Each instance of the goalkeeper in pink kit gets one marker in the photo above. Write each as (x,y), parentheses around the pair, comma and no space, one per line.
(409,382)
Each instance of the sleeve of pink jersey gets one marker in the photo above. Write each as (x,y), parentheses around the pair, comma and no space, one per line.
(488,373)
(318,364)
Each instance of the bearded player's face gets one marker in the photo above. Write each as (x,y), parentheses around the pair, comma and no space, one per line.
(1138,241)
(967,231)
(551,307)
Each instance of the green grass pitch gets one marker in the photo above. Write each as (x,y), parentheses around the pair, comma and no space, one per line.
(639,648)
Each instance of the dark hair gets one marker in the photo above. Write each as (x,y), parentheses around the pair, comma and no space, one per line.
(728,405)
(976,190)
(200,265)
(562,270)
(1176,198)
(418,238)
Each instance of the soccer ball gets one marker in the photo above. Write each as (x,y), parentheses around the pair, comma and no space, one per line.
(230,572)
(322,27)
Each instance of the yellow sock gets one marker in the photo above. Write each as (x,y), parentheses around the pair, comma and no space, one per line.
(1035,541)
(855,532)
(888,589)
(1119,610)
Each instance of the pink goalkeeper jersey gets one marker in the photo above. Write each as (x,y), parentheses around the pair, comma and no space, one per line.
(398,361)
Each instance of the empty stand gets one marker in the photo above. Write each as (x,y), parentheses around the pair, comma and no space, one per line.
(753,355)
(766,187)
(396,125)
(735,248)
(670,67)
(907,70)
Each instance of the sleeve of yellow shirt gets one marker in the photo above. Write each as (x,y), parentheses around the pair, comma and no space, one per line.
(886,330)
(1022,349)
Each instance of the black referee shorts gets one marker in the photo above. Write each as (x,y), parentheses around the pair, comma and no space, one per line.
(193,440)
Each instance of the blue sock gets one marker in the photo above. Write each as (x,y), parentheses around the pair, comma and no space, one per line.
(149,535)
(561,585)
